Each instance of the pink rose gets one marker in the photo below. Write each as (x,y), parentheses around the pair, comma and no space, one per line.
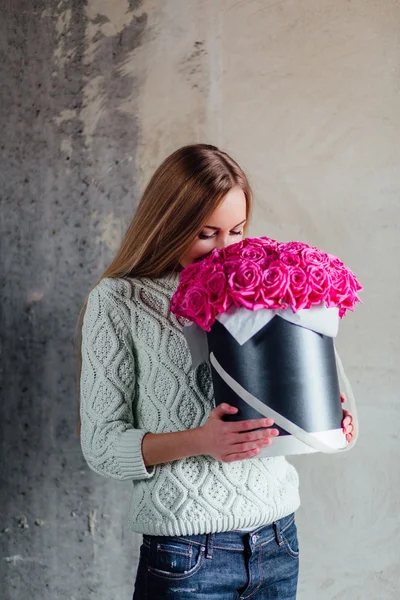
(298,289)
(275,281)
(271,257)
(313,256)
(215,257)
(340,285)
(292,246)
(269,245)
(219,291)
(319,284)
(355,284)
(255,253)
(189,273)
(290,259)
(244,281)
(231,252)
(207,269)
(178,298)
(348,303)
(196,306)
(263,241)
(335,262)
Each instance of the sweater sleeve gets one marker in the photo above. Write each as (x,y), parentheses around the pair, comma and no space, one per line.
(110,442)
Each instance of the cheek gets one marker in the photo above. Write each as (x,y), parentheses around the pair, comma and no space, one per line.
(197,250)
(201,247)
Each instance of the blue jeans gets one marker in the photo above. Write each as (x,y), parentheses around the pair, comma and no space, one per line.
(231,565)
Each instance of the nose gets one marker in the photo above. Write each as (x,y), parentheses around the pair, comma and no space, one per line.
(224,242)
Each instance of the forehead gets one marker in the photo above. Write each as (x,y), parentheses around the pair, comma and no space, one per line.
(231,210)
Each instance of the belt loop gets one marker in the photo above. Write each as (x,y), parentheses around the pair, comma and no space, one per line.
(209,544)
(278,534)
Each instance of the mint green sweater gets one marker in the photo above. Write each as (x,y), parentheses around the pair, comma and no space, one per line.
(137,377)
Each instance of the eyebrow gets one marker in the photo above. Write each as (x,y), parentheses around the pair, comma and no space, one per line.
(212,226)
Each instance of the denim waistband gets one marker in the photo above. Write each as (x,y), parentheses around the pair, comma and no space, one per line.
(235,539)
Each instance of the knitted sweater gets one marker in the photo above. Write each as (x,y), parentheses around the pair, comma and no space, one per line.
(137,377)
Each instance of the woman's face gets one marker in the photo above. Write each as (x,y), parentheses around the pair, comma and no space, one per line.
(224,227)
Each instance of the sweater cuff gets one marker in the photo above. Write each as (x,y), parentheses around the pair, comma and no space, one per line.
(128,451)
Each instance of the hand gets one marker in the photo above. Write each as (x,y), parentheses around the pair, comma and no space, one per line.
(347,421)
(224,441)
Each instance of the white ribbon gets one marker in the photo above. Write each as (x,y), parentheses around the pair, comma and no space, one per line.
(350,399)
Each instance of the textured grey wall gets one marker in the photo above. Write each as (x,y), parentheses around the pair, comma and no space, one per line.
(94,95)
(68,190)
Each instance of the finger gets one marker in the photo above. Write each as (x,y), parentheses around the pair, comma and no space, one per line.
(223,409)
(346,421)
(272,432)
(248,425)
(241,455)
(254,436)
(250,446)
(347,418)
(342,397)
(348,429)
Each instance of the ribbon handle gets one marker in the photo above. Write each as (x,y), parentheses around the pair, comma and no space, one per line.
(351,400)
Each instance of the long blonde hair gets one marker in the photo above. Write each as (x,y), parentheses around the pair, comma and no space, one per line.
(181,195)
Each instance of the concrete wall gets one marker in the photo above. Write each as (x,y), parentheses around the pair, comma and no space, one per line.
(305,95)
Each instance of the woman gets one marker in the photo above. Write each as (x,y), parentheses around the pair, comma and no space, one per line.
(217,521)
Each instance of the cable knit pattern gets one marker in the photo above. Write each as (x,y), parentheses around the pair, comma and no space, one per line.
(137,377)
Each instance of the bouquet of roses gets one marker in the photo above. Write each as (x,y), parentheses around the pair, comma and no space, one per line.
(261,273)
(265,314)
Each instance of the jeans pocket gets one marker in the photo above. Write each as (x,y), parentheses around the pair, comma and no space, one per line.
(174,558)
(290,540)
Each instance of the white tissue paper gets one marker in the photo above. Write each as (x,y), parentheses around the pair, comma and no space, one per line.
(243,323)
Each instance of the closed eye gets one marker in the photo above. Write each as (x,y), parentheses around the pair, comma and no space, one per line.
(202,236)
